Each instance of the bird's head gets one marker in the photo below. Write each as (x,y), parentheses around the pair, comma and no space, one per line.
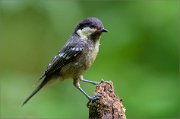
(90,28)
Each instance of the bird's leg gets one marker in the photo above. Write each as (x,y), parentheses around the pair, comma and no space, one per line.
(91,82)
(77,85)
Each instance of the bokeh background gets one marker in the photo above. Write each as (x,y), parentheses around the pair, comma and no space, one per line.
(139,54)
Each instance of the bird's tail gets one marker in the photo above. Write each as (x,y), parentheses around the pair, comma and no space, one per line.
(44,82)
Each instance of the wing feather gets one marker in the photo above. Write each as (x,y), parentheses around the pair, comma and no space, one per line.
(64,57)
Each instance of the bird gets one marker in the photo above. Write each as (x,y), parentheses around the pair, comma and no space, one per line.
(76,56)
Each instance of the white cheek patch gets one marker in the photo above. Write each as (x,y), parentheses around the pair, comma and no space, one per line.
(85,32)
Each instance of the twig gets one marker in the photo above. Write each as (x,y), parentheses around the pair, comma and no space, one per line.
(108,106)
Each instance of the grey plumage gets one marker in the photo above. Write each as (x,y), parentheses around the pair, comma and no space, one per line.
(76,56)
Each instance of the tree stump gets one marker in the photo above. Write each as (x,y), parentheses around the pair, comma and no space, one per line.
(108,106)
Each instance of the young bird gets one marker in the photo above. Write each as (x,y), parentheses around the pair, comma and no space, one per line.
(76,56)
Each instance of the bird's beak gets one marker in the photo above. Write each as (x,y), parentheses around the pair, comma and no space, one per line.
(104,30)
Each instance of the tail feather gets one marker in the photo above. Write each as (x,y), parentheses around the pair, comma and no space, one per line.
(44,82)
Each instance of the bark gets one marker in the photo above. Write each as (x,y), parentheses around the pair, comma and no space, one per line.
(108,106)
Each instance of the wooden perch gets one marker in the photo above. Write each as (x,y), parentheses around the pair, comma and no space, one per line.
(108,106)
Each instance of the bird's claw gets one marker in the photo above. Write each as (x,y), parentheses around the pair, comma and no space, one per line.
(96,83)
(104,81)
(94,98)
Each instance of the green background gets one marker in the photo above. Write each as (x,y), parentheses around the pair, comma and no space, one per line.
(139,54)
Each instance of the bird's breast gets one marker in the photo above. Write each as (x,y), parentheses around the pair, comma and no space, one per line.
(82,63)
(91,54)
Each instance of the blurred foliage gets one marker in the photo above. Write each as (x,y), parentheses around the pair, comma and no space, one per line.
(139,54)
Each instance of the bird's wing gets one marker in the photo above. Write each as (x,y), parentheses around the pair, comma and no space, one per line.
(67,55)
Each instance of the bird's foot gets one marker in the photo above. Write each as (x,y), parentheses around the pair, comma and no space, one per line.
(93,99)
(95,83)
(104,81)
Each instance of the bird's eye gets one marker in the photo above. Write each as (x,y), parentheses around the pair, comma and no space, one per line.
(92,26)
